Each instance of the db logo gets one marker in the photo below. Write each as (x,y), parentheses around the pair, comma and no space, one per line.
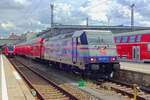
(102,51)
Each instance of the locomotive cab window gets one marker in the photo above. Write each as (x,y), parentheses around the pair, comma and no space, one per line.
(101,39)
(93,40)
(10,48)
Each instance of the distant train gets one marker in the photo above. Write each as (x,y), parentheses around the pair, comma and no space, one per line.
(88,52)
(134,46)
(9,50)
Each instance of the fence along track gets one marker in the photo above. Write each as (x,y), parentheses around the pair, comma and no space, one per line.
(45,89)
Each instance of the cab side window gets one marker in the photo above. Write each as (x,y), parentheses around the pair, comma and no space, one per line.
(78,41)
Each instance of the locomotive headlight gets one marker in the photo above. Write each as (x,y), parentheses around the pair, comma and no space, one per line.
(113,59)
(93,59)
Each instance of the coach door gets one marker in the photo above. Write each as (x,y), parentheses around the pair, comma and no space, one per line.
(74,50)
(136,52)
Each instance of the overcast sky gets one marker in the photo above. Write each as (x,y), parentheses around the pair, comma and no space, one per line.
(20,16)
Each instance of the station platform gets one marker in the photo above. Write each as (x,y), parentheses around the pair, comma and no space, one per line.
(137,67)
(12,86)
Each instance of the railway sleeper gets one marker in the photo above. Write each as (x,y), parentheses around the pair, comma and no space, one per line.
(54,97)
(60,99)
(55,94)
(52,92)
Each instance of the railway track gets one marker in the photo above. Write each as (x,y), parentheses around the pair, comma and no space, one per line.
(123,88)
(71,90)
(45,89)
(129,90)
(119,87)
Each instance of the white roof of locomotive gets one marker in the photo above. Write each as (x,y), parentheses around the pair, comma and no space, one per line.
(133,33)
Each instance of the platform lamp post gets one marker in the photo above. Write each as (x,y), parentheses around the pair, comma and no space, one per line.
(87,21)
(108,21)
(132,17)
(52,14)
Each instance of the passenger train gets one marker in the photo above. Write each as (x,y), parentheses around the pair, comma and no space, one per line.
(133,46)
(88,52)
(9,50)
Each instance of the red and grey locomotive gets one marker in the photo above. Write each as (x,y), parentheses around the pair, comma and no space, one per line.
(88,52)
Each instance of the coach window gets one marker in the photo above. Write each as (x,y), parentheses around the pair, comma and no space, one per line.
(138,39)
(148,47)
(46,39)
(118,39)
(132,39)
(124,39)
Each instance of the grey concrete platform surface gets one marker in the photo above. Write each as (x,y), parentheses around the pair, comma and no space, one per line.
(12,86)
(137,67)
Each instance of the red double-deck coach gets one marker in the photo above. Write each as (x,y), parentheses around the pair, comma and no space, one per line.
(9,50)
(32,48)
(134,46)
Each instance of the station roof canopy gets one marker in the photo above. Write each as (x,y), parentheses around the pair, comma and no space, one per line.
(71,28)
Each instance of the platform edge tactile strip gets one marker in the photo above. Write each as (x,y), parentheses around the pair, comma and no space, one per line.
(17,89)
